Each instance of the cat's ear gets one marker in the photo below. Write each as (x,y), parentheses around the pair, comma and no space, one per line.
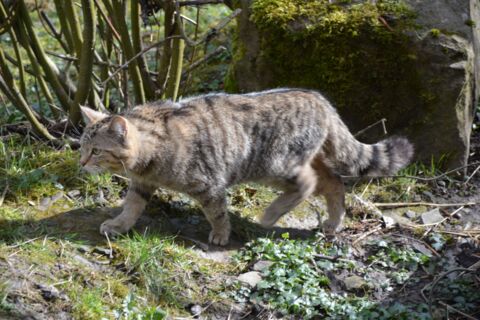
(119,126)
(91,116)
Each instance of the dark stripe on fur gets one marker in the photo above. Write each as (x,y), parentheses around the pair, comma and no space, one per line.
(373,161)
(145,194)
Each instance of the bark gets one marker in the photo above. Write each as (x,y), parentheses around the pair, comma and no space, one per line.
(148,85)
(175,73)
(133,68)
(19,102)
(47,65)
(86,61)
(164,66)
(74,25)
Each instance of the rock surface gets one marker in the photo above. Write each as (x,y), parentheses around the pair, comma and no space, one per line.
(432,216)
(251,278)
(424,80)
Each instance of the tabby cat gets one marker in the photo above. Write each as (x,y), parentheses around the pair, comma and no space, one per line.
(291,139)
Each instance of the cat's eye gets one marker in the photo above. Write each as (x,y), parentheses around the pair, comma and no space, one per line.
(95,151)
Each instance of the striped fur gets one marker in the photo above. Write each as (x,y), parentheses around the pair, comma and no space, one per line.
(292,139)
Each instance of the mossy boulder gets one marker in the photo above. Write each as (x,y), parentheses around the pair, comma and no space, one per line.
(411,62)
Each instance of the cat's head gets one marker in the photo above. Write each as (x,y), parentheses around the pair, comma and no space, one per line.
(107,142)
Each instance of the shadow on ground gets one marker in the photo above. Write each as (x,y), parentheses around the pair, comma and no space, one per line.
(187,223)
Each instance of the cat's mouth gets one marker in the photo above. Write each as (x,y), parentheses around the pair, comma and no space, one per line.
(93,169)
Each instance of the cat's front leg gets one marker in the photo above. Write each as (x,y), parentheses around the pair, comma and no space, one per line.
(133,206)
(215,209)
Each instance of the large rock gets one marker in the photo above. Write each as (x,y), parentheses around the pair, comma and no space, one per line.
(417,65)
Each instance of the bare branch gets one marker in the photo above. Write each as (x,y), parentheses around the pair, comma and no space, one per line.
(210,33)
(146,49)
(199,2)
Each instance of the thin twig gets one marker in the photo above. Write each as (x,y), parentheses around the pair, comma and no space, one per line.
(436,224)
(457,311)
(209,33)
(110,255)
(146,49)
(107,20)
(466,233)
(471,176)
(199,2)
(419,241)
(23,243)
(371,207)
(4,193)
(366,234)
(208,56)
(382,121)
(426,204)
(437,280)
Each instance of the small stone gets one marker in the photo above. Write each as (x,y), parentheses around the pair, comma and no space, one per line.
(354,282)
(467,225)
(411,214)
(432,216)
(100,198)
(389,221)
(251,278)
(429,195)
(58,185)
(83,261)
(49,293)
(195,310)
(104,251)
(73,193)
(422,248)
(44,204)
(441,183)
(57,196)
(262,265)
(84,248)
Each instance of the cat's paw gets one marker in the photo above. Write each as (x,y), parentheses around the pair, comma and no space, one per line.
(329,227)
(219,237)
(114,227)
(268,219)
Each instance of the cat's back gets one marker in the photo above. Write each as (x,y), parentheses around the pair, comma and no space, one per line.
(300,102)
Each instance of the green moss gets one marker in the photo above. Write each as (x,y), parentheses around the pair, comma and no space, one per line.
(470,23)
(435,33)
(358,55)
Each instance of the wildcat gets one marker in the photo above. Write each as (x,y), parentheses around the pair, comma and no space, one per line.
(291,139)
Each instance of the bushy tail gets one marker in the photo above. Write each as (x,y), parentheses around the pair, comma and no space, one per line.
(385,157)
(348,156)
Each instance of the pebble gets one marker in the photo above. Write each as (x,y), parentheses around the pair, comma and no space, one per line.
(73,193)
(196,310)
(251,278)
(84,248)
(411,214)
(103,251)
(261,265)
(432,216)
(354,282)
(50,293)
(389,221)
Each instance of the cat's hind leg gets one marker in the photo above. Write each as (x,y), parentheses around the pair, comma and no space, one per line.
(297,190)
(332,188)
